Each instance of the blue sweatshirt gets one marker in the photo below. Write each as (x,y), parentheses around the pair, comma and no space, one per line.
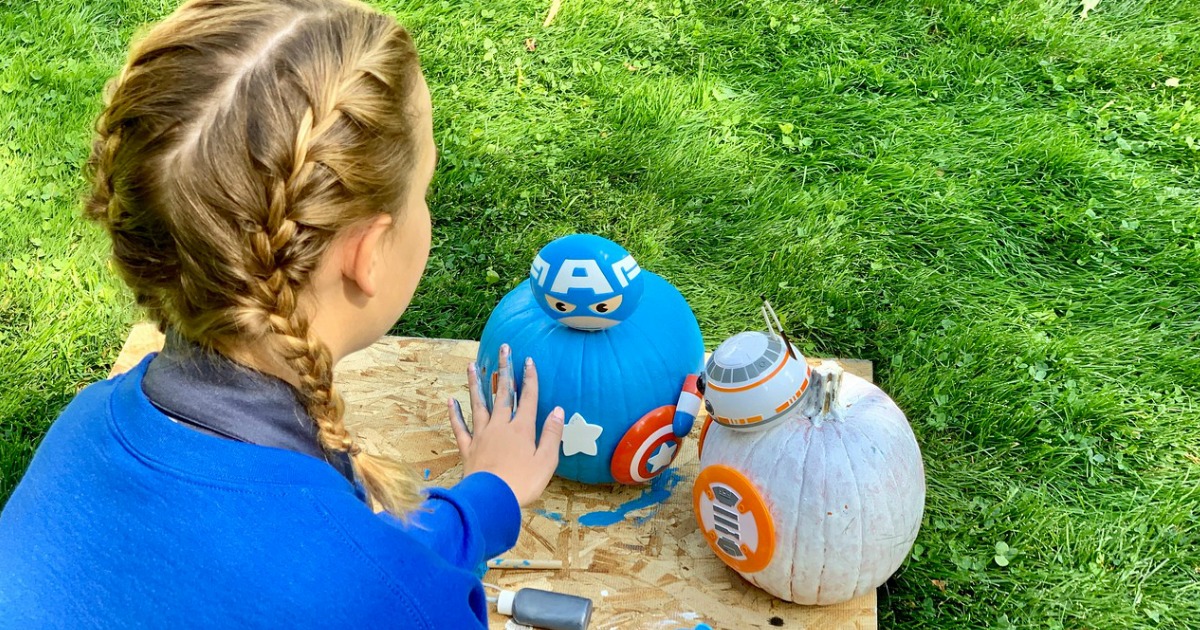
(127,517)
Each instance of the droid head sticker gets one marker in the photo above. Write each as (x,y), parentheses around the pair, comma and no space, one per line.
(586,282)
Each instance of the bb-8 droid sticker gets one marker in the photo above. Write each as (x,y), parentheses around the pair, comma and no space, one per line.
(647,448)
(734,518)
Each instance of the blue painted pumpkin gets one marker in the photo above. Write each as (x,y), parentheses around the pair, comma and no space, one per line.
(614,345)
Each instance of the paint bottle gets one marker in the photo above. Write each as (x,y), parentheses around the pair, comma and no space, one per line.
(545,609)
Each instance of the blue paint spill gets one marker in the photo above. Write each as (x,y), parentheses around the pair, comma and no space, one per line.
(426,473)
(500,559)
(554,516)
(659,491)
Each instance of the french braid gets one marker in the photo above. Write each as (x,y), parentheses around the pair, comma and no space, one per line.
(237,141)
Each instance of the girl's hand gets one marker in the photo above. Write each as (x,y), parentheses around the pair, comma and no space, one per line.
(508,448)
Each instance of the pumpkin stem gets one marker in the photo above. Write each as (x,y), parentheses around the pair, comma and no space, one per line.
(827,379)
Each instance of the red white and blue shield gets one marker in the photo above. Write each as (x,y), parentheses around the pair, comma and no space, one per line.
(647,448)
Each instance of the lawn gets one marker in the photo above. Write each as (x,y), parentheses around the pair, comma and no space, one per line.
(998,202)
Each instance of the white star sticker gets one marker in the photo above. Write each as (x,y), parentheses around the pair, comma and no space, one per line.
(579,436)
(663,457)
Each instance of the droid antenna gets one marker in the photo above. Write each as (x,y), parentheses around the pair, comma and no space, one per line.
(769,315)
(767,318)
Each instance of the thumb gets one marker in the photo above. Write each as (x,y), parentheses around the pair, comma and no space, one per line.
(462,436)
(552,433)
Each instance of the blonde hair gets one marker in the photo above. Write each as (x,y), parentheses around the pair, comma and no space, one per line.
(239,138)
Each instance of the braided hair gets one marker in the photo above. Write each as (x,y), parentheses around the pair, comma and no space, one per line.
(238,140)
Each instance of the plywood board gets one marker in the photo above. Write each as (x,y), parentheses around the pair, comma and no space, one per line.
(142,340)
(650,568)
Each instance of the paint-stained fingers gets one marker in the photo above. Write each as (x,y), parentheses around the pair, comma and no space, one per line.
(462,435)
(479,410)
(526,412)
(551,440)
(478,388)
(503,405)
(512,392)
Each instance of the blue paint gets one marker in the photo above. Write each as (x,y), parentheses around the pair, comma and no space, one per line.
(659,491)
(427,473)
(504,563)
(554,516)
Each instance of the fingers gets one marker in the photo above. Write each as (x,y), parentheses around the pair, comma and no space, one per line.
(527,409)
(551,441)
(503,405)
(479,410)
(512,392)
(459,424)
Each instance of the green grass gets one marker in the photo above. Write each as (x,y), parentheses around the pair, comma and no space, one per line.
(995,201)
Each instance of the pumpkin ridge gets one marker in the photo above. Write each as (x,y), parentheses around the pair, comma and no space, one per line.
(550,368)
(637,365)
(907,446)
(579,388)
(741,459)
(783,470)
(567,467)
(891,514)
(664,366)
(774,507)
(824,523)
(610,351)
(861,510)
(815,462)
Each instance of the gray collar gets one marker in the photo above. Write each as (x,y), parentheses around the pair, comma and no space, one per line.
(214,395)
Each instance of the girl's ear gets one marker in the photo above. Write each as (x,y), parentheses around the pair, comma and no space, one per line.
(364,259)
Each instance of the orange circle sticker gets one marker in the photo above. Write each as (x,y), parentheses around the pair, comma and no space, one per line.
(734,518)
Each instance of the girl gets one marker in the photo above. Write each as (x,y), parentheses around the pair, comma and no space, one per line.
(261,167)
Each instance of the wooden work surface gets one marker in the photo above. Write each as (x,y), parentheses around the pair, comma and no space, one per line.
(652,569)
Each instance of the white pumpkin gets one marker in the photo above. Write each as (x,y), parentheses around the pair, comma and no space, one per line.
(840,493)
